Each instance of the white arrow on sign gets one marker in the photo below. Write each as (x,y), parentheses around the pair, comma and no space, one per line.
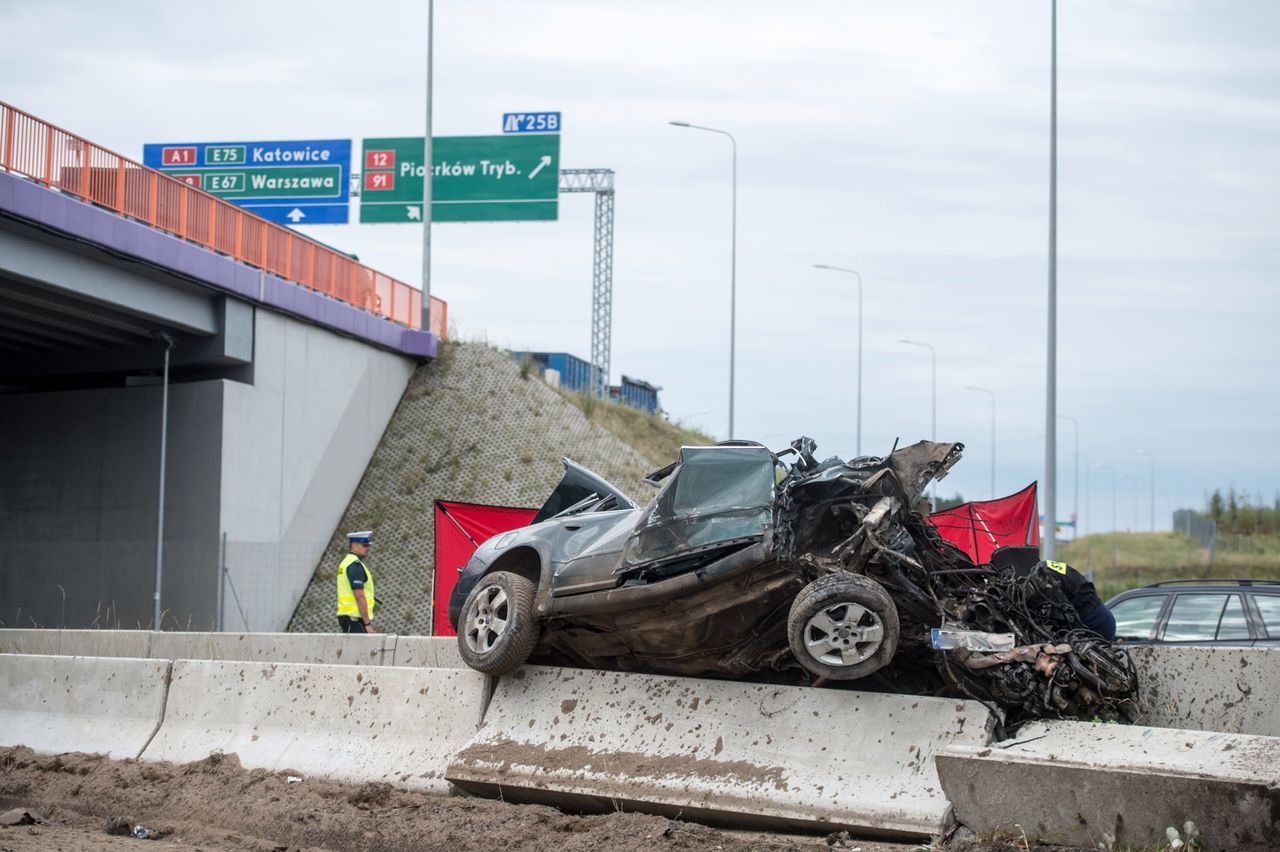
(546,161)
(296,215)
(414,212)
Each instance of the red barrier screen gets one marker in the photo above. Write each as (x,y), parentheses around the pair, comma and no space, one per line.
(460,529)
(980,527)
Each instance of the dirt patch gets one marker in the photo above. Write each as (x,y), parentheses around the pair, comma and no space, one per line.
(86,803)
(214,804)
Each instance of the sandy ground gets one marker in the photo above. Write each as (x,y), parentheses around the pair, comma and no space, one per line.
(216,805)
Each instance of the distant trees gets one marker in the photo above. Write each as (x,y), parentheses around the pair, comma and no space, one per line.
(1241,513)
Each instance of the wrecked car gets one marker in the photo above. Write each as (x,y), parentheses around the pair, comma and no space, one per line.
(748,563)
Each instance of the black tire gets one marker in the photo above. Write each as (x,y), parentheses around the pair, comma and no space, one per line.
(843,627)
(497,629)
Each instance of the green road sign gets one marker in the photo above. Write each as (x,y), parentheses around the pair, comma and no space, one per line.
(475,179)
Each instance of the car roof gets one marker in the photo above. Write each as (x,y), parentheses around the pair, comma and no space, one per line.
(1259,587)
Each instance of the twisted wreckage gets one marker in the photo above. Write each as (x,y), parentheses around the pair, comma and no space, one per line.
(748,563)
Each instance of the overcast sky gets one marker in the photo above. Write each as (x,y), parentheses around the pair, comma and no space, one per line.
(907,140)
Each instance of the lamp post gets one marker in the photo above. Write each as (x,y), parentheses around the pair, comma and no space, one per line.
(933,361)
(733,259)
(858,444)
(1051,337)
(167,340)
(993,433)
(1153,488)
(1075,488)
(1136,495)
(428,168)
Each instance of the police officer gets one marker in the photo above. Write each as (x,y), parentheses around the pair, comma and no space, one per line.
(1084,598)
(1079,591)
(356,600)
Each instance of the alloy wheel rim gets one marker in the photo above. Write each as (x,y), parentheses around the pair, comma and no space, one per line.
(843,634)
(487,619)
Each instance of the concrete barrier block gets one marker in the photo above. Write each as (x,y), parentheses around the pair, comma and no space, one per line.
(435,652)
(1236,690)
(347,723)
(744,754)
(107,705)
(321,648)
(76,643)
(1081,784)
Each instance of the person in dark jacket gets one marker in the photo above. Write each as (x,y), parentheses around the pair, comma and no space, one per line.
(1084,597)
(1076,586)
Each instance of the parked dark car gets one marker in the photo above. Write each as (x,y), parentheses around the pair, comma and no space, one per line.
(750,563)
(1200,612)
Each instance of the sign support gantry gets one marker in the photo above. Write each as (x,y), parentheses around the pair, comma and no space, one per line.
(599,181)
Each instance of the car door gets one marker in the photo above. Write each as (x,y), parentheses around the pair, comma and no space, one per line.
(588,551)
(1139,616)
(1267,609)
(1207,618)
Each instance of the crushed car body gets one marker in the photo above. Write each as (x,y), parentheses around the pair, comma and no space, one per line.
(748,563)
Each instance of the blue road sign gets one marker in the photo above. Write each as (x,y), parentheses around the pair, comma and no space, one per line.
(531,122)
(303,182)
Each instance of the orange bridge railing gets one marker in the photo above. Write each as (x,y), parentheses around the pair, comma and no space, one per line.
(71,164)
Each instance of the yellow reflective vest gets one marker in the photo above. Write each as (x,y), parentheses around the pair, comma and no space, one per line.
(346,596)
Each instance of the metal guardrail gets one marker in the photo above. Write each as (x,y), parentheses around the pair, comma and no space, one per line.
(68,163)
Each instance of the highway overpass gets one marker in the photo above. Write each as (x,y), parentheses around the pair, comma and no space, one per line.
(287,361)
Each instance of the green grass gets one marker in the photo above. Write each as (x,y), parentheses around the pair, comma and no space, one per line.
(1128,560)
(657,439)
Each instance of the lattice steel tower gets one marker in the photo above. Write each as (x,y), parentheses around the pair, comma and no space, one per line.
(599,181)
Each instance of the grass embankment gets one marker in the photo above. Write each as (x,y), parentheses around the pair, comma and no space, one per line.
(1127,560)
(654,437)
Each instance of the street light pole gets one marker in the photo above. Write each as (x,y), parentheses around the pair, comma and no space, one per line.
(1152,457)
(166,339)
(993,433)
(427,169)
(733,260)
(933,361)
(1051,361)
(858,445)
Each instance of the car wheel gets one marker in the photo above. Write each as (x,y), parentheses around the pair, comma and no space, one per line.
(843,627)
(498,629)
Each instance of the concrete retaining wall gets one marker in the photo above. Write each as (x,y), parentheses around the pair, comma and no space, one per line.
(346,723)
(720,751)
(1081,784)
(325,648)
(438,652)
(92,704)
(1210,689)
(77,643)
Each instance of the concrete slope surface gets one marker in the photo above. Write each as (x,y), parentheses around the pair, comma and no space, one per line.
(474,427)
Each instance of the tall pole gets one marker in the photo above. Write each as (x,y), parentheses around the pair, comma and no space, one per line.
(1075,488)
(1051,384)
(733,260)
(1153,489)
(858,444)
(933,382)
(427,169)
(164,434)
(993,433)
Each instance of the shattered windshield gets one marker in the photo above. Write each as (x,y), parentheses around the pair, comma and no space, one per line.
(717,494)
